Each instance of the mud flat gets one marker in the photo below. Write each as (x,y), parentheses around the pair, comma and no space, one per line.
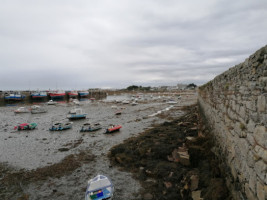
(40,164)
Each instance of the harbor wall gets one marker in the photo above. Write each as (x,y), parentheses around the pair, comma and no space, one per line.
(234,105)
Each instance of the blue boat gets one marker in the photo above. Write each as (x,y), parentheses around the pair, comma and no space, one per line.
(59,126)
(99,188)
(83,93)
(76,113)
(38,94)
(14,96)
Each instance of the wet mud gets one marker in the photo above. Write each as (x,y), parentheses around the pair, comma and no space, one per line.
(173,160)
(39,164)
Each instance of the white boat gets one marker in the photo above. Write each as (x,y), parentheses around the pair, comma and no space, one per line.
(171,102)
(22,110)
(99,188)
(37,109)
(76,113)
(51,102)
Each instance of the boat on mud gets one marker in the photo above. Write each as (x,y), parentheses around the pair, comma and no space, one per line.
(38,109)
(83,94)
(39,94)
(17,96)
(22,110)
(72,94)
(113,128)
(51,102)
(57,94)
(76,113)
(60,126)
(26,126)
(99,188)
(87,127)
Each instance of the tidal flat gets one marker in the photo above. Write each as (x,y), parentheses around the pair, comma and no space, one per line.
(40,164)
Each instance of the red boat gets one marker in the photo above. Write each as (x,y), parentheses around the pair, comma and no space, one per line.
(57,94)
(73,94)
(113,128)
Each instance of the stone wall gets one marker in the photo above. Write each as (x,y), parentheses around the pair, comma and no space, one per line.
(235,107)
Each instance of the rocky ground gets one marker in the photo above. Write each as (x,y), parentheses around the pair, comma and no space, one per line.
(173,160)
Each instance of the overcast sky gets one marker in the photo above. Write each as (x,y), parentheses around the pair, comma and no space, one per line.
(81,44)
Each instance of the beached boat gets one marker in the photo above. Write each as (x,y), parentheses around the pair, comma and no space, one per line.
(83,93)
(22,110)
(26,126)
(60,126)
(58,94)
(38,94)
(38,109)
(87,127)
(113,128)
(99,188)
(51,102)
(118,112)
(14,96)
(72,94)
(76,113)
(171,102)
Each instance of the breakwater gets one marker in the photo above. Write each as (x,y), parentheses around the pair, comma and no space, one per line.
(234,105)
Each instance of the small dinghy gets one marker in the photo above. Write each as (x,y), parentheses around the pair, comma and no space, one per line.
(99,188)
(60,126)
(113,128)
(51,102)
(26,126)
(22,110)
(87,127)
(76,113)
(38,109)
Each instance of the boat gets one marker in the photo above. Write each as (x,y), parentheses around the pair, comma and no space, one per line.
(37,109)
(76,113)
(171,102)
(38,94)
(134,103)
(22,110)
(14,96)
(99,188)
(118,112)
(57,94)
(72,94)
(87,127)
(125,102)
(26,126)
(59,126)
(83,93)
(51,102)
(113,128)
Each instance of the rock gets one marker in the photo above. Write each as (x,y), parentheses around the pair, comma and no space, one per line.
(148,196)
(168,184)
(194,180)
(196,195)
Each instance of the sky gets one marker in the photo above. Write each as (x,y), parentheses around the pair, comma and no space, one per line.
(81,44)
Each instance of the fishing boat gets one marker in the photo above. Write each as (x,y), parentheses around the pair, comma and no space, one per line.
(83,93)
(57,94)
(87,127)
(60,126)
(72,94)
(26,126)
(38,109)
(113,128)
(99,188)
(22,110)
(39,94)
(14,96)
(76,113)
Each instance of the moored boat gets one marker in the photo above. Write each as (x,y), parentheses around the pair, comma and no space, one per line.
(38,109)
(22,110)
(60,126)
(14,96)
(38,94)
(26,126)
(51,102)
(87,127)
(72,94)
(58,94)
(113,128)
(83,93)
(76,113)
(99,188)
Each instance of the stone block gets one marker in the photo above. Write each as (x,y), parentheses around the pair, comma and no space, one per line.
(251,126)
(261,104)
(260,136)
(260,153)
(260,191)
(252,180)
(260,169)
(249,193)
